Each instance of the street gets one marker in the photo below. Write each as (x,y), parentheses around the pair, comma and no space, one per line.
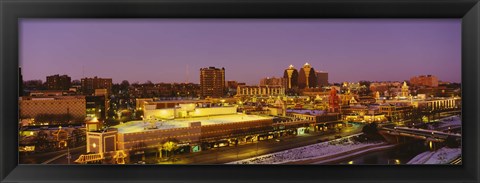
(232,153)
(41,158)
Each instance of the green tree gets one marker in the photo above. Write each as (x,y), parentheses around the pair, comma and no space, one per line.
(112,122)
(138,114)
(124,85)
(371,131)
(170,146)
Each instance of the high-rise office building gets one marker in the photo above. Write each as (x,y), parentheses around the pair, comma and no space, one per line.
(322,79)
(212,82)
(59,82)
(307,77)
(90,84)
(291,76)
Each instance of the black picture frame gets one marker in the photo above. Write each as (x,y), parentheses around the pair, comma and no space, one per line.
(13,10)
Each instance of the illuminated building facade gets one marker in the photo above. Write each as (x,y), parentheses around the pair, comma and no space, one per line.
(212,82)
(307,77)
(260,91)
(89,85)
(273,81)
(58,82)
(291,75)
(438,104)
(395,111)
(405,91)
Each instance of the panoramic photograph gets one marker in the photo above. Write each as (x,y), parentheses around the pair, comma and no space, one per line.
(240,91)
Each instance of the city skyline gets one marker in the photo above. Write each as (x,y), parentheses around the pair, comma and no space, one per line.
(249,50)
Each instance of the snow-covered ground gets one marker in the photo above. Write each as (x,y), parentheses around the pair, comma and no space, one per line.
(450,121)
(313,151)
(441,156)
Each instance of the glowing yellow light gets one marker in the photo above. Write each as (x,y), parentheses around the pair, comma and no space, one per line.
(31,133)
(350,162)
(94,145)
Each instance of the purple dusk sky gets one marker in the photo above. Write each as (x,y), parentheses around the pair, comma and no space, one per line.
(160,50)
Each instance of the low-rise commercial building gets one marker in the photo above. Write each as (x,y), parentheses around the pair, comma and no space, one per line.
(260,91)
(71,107)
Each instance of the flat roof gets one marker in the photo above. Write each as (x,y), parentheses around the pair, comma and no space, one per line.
(139,126)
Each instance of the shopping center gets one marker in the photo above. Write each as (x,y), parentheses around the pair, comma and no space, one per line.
(198,128)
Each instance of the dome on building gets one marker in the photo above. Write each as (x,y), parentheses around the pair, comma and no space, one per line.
(307,65)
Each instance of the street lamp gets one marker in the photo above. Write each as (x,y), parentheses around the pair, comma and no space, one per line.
(256,152)
(69,156)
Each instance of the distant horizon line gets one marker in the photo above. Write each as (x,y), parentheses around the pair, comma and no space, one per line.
(183,82)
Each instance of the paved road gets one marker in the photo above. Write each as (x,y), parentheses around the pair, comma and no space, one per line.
(41,158)
(229,154)
(74,155)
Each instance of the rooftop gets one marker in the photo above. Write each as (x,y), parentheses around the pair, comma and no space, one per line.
(139,126)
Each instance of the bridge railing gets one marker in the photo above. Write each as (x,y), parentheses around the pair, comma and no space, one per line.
(85,158)
(422,132)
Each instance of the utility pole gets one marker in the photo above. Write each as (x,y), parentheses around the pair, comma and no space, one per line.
(256,152)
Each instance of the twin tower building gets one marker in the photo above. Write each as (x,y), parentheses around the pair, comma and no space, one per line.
(306,77)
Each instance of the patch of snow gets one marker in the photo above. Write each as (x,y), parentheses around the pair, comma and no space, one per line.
(308,152)
(421,158)
(442,156)
(450,121)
